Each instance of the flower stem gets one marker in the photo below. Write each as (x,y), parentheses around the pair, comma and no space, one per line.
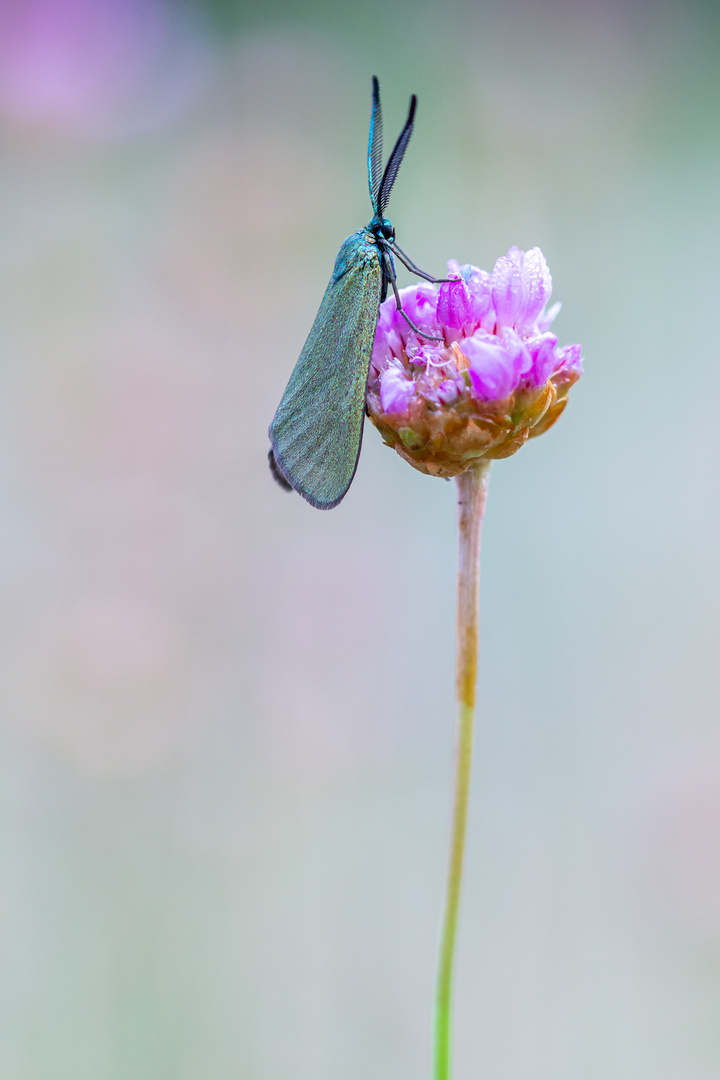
(472,488)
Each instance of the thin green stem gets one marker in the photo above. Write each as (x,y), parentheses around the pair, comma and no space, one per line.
(472,488)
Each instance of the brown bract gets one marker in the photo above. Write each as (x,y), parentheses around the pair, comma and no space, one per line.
(445,440)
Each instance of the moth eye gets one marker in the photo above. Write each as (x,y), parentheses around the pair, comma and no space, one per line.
(388,231)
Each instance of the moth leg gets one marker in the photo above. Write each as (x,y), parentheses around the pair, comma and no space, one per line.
(410,265)
(421,333)
(391,277)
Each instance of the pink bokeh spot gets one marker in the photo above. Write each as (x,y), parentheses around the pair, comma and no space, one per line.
(93,66)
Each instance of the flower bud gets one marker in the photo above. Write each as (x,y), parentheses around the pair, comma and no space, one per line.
(454,309)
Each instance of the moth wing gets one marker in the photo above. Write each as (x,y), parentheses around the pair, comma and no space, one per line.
(317,430)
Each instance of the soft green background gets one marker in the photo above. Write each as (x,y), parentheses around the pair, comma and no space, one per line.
(226,717)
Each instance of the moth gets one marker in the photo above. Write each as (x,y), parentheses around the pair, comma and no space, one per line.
(316,432)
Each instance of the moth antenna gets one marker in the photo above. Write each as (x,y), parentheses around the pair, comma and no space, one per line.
(391,169)
(375,145)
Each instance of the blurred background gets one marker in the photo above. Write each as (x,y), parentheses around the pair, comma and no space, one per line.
(227,719)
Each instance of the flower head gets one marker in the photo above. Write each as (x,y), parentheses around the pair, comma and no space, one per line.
(495,377)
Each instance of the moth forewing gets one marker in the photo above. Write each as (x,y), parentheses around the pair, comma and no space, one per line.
(317,430)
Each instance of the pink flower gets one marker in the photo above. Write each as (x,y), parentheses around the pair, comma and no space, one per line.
(496,364)
(548,318)
(494,378)
(545,362)
(388,339)
(396,390)
(454,309)
(429,356)
(478,285)
(420,304)
(570,359)
(521,287)
(393,336)
(449,390)
(494,342)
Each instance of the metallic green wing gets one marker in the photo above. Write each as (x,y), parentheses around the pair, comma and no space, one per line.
(317,430)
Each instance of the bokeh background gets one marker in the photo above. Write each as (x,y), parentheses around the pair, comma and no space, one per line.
(227,718)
